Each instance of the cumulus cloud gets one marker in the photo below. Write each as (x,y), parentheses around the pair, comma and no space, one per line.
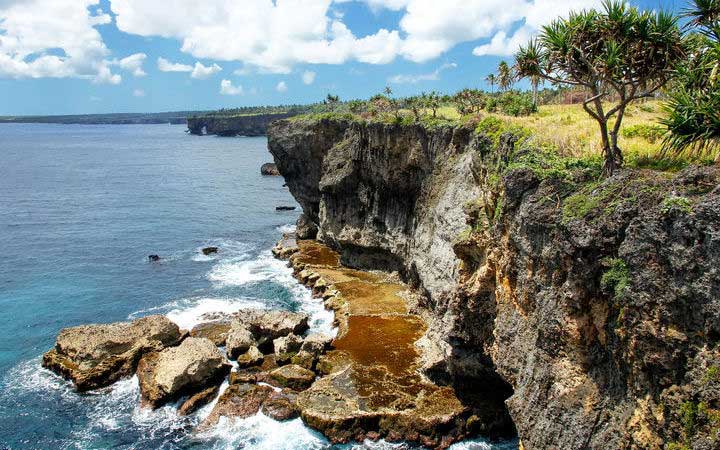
(132,64)
(202,72)
(412,79)
(308,77)
(54,38)
(281,87)
(167,66)
(227,88)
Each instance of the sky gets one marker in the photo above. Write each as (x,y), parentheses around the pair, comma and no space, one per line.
(102,56)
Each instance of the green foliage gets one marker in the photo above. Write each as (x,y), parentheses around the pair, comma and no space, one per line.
(682,204)
(512,103)
(688,418)
(712,374)
(651,133)
(693,109)
(677,446)
(616,278)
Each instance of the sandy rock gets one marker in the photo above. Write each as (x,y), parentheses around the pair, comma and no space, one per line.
(288,344)
(239,340)
(216,331)
(189,368)
(240,401)
(316,343)
(292,376)
(93,356)
(253,357)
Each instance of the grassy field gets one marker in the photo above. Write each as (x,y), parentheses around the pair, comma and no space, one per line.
(572,132)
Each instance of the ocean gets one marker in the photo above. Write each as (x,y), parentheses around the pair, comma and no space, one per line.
(81,208)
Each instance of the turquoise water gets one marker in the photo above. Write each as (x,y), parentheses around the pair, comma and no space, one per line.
(81,207)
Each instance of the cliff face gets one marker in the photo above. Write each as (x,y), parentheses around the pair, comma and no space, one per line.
(598,303)
(250,125)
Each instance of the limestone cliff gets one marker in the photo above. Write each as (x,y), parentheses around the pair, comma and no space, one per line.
(238,125)
(593,306)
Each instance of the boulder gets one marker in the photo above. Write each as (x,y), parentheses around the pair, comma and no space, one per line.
(269,169)
(94,356)
(239,340)
(287,344)
(246,375)
(209,250)
(189,368)
(198,400)
(216,331)
(154,258)
(281,406)
(304,359)
(252,357)
(271,324)
(292,377)
(238,400)
(316,343)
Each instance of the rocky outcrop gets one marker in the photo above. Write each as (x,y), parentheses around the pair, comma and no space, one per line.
(269,169)
(238,125)
(187,369)
(94,356)
(592,307)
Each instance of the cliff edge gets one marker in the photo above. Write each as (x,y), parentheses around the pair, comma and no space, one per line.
(592,306)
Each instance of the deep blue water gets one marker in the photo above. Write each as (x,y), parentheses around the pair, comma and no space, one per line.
(81,208)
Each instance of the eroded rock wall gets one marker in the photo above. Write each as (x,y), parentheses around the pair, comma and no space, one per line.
(598,302)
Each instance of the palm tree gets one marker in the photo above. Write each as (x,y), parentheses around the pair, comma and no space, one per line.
(505,76)
(535,81)
(492,80)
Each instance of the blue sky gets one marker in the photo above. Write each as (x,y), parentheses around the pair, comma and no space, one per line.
(93,56)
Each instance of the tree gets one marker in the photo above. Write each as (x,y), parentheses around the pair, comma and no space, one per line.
(693,108)
(491,79)
(505,76)
(332,101)
(618,50)
(431,101)
(534,82)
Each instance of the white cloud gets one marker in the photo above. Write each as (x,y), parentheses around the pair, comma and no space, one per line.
(53,38)
(308,77)
(132,63)
(166,66)
(412,79)
(227,88)
(281,87)
(138,93)
(202,72)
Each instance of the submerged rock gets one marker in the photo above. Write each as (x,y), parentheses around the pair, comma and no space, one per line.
(154,258)
(285,208)
(94,356)
(209,250)
(269,169)
(187,369)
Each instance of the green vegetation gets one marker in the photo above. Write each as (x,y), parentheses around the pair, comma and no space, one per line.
(616,278)
(682,204)
(618,50)
(712,374)
(651,133)
(688,418)
(693,111)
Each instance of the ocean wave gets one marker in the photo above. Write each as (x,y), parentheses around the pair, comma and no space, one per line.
(187,313)
(289,228)
(227,248)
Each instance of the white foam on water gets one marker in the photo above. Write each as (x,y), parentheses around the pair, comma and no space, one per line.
(260,432)
(189,313)
(289,228)
(30,376)
(227,248)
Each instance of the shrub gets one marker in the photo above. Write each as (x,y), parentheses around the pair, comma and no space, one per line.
(516,103)
(651,133)
(616,278)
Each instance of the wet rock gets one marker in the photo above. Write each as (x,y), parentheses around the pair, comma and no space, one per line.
(288,344)
(245,375)
(269,169)
(93,356)
(252,357)
(285,208)
(198,400)
(281,406)
(306,228)
(239,401)
(154,258)
(286,246)
(190,367)
(304,359)
(293,377)
(209,250)
(271,324)
(216,331)
(239,340)
(316,343)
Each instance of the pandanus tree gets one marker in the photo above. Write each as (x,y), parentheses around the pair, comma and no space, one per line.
(491,79)
(617,50)
(693,108)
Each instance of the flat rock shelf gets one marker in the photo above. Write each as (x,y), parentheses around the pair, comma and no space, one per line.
(371,385)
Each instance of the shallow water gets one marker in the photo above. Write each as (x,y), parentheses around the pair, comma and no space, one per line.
(81,207)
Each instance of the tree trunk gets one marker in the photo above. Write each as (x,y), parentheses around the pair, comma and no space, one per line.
(608,150)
